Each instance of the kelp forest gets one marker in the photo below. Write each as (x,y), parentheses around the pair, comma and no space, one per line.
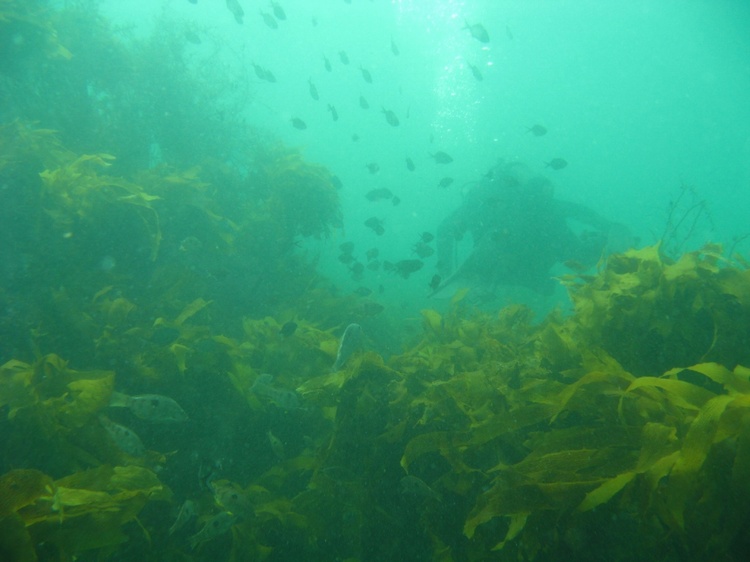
(167,392)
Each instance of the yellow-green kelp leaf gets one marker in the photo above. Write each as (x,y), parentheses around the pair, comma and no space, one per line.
(22,487)
(606,491)
(85,399)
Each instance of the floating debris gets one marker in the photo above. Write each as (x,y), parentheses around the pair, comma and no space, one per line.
(556,163)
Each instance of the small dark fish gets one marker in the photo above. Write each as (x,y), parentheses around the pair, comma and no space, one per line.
(363,103)
(260,72)
(373,167)
(423,250)
(394,47)
(410,164)
(556,163)
(374,265)
(357,268)
(336,181)
(298,123)
(404,268)
(346,258)
(347,247)
(426,237)
(278,11)
(285,399)
(390,117)
(363,292)
(288,329)
(396,201)
(368,308)
(435,282)
(376,225)
(445,182)
(184,515)
(334,113)
(313,90)
(193,1)
(343,57)
(441,157)
(268,76)
(236,9)
(269,20)
(372,253)
(475,72)
(478,32)
(508,33)
(314,21)
(326,63)
(192,37)
(355,137)
(351,341)
(378,194)
(366,75)
(537,130)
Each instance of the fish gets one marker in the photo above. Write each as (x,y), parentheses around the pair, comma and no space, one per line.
(269,20)
(232,498)
(278,11)
(276,446)
(236,9)
(368,308)
(351,341)
(390,117)
(363,103)
(355,137)
(363,292)
(394,47)
(441,157)
(347,247)
(417,488)
(374,265)
(343,57)
(326,63)
(379,194)
(556,164)
(410,164)
(373,167)
(366,75)
(435,282)
(423,250)
(346,258)
(214,527)
(357,268)
(288,329)
(477,31)
(537,130)
(475,72)
(260,72)
(186,512)
(125,438)
(334,113)
(192,37)
(336,181)
(150,407)
(426,237)
(313,90)
(404,268)
(445,182)
(285,399)
(395,201)
(268,76)
(298,123)
(376,225)
(372,253)
(508,33)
